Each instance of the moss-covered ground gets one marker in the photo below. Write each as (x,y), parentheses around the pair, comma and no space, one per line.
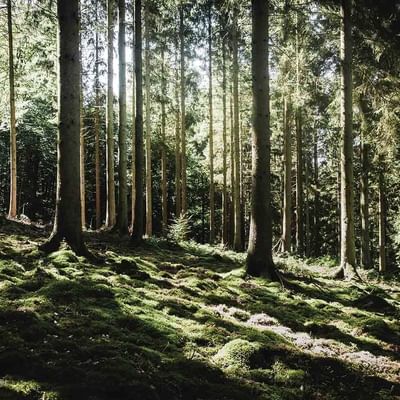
(183,322)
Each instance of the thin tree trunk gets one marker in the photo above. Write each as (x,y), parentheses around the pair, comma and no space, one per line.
(12,211)
(82,161)
(164,194)
(316,239)
(307,205)
(382,222)
(238,246)
(183,111)
(138,226)
(97,129)
(68,224)
(110,212)
(149,194)
(178,158)
(211,130)
(122,217)
(224,153)
(287,179)
(133,169)
(232,164)
(259,254)
(364,188)
(347,253)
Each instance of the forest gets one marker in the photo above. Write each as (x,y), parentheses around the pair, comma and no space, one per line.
(199,199)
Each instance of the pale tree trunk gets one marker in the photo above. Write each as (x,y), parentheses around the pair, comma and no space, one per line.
(178,158)
(307,205)
(67,224)
(287,179)
(12,211)
(364,188)
(316,239)
(232,167)
(149,194)
(237,242)
(110,212)
(164,194)
(97,129)
(82,160)
(224,153)
(347,244)
(133,170)
(122,216)
(382,221)
(259,254)
(138,226)
(183,111)
(211,130)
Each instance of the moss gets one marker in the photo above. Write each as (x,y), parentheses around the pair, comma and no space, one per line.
(240,353)
(286,376)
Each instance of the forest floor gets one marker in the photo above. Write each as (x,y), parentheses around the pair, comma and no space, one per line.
(183,322)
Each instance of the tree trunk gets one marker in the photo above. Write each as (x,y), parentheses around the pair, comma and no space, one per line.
(183,112)
(178,158)
(259,254)
(316,238)
(12,211)
(347,244)
(149,194)
(237,243)
(224,151)
(110,212)
(164,193)
(364,188)
(287,179)
(211,130)
(122,217)
(97,129)
(67,224)
(382,221)
(138,226)
(133,169)
(82,179)
(232,177)
(307,205)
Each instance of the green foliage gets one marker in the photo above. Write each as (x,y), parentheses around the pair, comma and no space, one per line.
(179,229)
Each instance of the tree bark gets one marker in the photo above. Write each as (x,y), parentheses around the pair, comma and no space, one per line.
(211,129)
(133,169)
(259,253)
(364,188)
(382,221)
(347,253)
(287,179)
(138,226)
(68,224)
(12,211)
(237,243)
(82,179)
(316,238)
(164,193)
(97,128)
(122,216)
(224,153)
(110,212)
(183,111)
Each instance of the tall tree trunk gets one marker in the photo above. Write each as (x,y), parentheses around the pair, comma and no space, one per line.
(347,245)
(164,193)
(67,224)
(122,217)
(110,212)
(149,194)
(183,111)
(82,179)
(382,221)
(12,211)
(259,254)
(97,128)
(232,168)
(178,158)
(316,238)
(237,244)
(307,207)
(364,188)
(224,151)
(138,226)
(287,179)
(133,169)
(211,129)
